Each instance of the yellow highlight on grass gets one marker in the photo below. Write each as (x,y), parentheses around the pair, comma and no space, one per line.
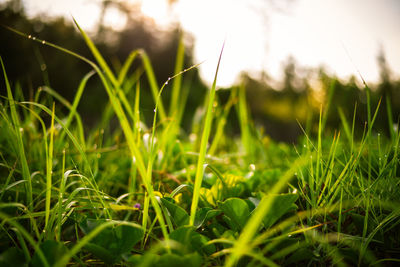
(117,207)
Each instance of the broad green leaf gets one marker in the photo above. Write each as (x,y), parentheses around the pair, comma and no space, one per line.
(191,240)
(237,211)
(178,215)
(183,235)
(199,243)
(205,214)
(52,250)
(13,257)
(112,242)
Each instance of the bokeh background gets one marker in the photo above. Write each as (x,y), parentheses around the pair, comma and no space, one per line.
(294,57)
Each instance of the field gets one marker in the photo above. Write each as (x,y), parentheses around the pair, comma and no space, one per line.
(155,195)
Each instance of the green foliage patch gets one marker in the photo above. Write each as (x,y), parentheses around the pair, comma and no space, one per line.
(154,195)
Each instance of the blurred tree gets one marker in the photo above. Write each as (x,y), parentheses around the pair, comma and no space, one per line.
(35,65)
(388,89)
(274,104)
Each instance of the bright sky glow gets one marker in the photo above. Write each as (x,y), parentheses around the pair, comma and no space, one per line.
(342,35)
(156,9)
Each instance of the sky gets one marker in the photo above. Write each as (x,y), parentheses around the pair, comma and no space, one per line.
(344,36)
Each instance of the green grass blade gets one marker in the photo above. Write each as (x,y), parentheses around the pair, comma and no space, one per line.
(244,121)
(242,244)
(203,146)
(177,83)
(26,235)
(153,83)
(390,117)
(63,182)
(129,135)
(92,181)
(127,64)
(99,58)
(20,145)
(327,108)
(345,124)
(73,110)
(86,239)
(49,170)
(221,122)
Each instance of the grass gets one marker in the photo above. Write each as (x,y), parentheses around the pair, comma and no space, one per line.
(148,195)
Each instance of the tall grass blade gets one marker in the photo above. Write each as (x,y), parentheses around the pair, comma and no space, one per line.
(390,117)
(221,122)
(177,83)
(345,124)
(244,122)
(20,145)
(203,146)
(73,111)
(153,84)
(49,169)
(86,239)
(7,220)
(243,243)
(327,108)
(129,135)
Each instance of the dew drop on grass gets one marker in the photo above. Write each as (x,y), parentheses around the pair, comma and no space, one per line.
(21,129)
(29,36)
(33,38)
(43,42)
(154,110)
